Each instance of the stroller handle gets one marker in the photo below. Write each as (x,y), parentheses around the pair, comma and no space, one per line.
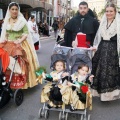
(16,57)
(82,48)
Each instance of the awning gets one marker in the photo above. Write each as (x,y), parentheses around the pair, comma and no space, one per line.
(28,4)
(49,6)
(35,4)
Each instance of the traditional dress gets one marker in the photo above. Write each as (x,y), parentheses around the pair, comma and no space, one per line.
(80,100)
(106,61)
(34,32)
(54,92)
(27,58)
(85,24)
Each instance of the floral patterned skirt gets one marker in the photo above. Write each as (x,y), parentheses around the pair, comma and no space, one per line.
(18,80)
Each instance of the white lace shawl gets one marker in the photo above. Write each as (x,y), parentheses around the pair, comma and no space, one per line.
(19,25)
(107,34)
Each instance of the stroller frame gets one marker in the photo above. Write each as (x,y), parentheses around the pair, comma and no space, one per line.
(63,113)
(17,95)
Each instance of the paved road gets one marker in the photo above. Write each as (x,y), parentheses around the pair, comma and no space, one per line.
(29,109)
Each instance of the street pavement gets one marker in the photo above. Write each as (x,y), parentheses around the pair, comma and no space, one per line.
(31,104)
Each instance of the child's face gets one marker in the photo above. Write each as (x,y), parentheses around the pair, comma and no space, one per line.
(59,66)
(83,71)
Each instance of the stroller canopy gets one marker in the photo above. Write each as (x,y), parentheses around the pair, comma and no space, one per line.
(79,57)
(61,53)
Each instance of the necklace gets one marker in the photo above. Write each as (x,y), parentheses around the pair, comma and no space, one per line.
(13,20)
(107,26)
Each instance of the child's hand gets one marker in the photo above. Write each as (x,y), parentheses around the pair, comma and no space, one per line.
(69,83)
(91,78)
(65,74)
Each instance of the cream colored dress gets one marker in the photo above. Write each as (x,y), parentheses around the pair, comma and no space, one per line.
(14,32)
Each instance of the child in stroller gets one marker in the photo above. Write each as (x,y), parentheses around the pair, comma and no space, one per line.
(51,92)
(79,82)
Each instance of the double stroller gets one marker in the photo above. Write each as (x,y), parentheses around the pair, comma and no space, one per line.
(73,58)
(6,93)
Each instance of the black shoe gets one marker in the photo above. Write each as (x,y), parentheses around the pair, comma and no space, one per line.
(72,108)
(49,106)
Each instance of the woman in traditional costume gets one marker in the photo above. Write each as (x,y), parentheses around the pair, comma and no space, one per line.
(34,32)
(106,61)
(17,41)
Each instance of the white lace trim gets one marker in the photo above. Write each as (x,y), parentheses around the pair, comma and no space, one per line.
(110,32)
(113,29)
(17,26)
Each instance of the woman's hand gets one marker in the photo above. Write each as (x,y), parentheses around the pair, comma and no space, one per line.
(4,41)
(93,49)
(17,41)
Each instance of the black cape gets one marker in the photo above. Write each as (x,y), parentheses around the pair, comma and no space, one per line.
(85,24)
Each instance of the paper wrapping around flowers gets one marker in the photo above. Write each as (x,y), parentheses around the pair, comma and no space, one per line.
(81,87)
(39,72)
(48,76)
(40,76)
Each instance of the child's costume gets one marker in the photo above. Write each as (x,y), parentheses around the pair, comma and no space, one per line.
(52,91)
(81,96)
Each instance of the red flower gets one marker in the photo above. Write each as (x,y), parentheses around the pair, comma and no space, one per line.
(84,89)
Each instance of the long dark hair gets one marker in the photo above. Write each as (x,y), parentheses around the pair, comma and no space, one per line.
(13,4)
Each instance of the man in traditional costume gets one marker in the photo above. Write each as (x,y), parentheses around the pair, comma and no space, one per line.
(84,23)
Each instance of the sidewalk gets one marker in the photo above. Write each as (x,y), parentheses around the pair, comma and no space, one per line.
(47,38)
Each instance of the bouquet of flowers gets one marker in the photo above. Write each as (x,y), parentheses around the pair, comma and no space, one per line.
(82,89)
(42,75)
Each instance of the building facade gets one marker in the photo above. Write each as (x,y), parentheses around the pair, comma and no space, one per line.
(40,8)
(62,9)
(98,5)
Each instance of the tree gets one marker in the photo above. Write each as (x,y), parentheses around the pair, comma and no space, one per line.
(95,14)
(112,1)
(101,13)
(72,13)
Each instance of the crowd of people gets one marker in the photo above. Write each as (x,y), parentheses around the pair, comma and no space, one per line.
(106,46)
(21,37)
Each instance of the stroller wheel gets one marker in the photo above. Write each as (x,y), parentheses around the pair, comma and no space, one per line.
(61,116)
(18,97)
(82,117)
(85,117)
(40,113)
(89,116)
(46,114)
(66,116)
